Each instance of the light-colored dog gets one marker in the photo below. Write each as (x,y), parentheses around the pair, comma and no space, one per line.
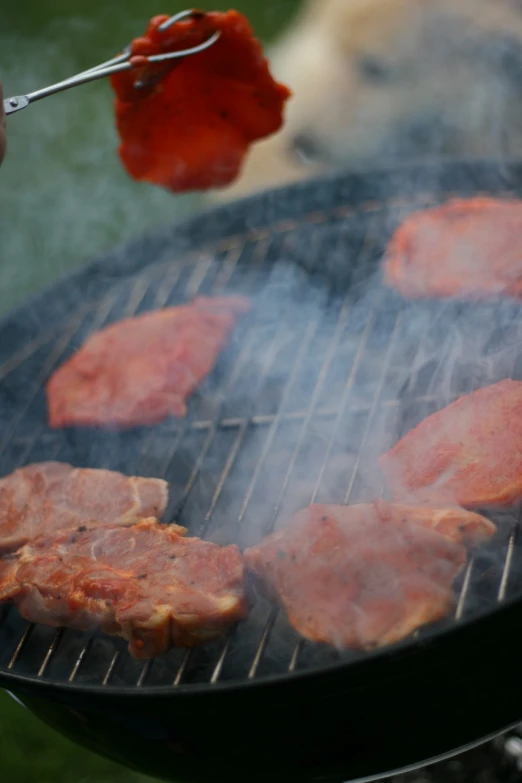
(376,81)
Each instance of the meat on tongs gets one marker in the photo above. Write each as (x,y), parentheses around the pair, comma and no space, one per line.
(192,95)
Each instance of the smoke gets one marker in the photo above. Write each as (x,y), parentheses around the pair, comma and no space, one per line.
(317,382)
(332,378)
(326,381)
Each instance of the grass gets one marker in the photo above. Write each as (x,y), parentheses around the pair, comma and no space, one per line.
(30,752)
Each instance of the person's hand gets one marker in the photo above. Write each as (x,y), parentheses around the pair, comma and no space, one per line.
(2,125)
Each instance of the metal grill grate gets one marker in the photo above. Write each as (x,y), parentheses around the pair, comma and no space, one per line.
(313,386)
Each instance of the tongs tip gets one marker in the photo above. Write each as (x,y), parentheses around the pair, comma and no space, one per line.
(120,63)
(190,14)
(177,18)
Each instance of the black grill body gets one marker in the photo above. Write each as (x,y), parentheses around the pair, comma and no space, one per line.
(329,369)
(350,724)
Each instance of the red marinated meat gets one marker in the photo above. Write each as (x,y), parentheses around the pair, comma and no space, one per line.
(355,578)
(191,129)
(50,496)
(141,370)
(467,248)
(457,524)
(147,583)
(468,453)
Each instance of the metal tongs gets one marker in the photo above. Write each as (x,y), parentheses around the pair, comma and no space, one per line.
(117,64)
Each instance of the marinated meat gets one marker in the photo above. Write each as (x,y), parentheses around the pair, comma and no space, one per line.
(466,248)
(467,454)
(141,370)
(49,496)
(355,578)
(147,583)
(454,523)
(192,126)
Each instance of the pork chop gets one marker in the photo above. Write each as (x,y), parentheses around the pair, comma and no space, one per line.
(457,524)
(141,370)
(147,583)
(49,496)
(353,578)
(466,248)
(468,453)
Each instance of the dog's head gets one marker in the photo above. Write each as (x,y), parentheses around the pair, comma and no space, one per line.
(377,80)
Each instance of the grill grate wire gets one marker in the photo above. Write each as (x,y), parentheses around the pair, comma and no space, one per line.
(213,434)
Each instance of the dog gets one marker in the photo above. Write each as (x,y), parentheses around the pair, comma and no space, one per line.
(380,81)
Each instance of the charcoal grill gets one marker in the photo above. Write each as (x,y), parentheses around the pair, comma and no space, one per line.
(329,369)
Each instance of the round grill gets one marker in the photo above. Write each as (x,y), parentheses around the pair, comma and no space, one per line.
(328,370)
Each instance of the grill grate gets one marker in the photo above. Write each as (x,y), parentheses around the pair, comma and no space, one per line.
(313,386)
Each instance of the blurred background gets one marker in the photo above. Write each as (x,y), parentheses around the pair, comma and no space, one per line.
(64,198)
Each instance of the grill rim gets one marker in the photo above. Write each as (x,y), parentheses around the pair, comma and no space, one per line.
(415,647)
(187,240)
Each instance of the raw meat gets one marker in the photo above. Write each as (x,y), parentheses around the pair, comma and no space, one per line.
(191,129)
(466,248)
(454,523)
(49,496)
(147,583)
(354,578)
(141,370)
(468,453)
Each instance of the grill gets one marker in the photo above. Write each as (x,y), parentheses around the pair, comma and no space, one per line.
(327,371)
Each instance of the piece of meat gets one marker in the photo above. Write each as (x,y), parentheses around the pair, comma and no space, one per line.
(147,583)
(467,454)
(49,496)
(192,128)
(141,370)
(468,248)
(354,578)
(457,524)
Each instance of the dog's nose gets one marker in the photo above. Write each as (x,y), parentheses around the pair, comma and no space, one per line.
(305,148)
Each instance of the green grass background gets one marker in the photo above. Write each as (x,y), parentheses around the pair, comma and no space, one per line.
(64,196)
(64,199)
